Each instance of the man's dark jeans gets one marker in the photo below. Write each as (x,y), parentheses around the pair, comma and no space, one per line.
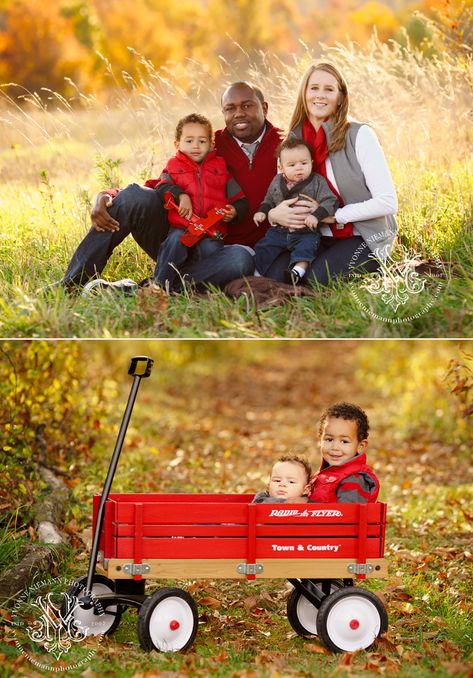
(140,212)
(173,255)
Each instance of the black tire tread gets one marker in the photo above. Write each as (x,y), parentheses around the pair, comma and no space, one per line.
(101,579)
(147,608)
(291,608)
(333,598)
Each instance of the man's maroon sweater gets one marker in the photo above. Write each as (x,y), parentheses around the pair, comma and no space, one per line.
(254,180)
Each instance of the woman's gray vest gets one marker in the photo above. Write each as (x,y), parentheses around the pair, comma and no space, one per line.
(378,233)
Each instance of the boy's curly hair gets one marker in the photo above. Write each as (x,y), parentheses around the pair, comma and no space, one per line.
(298,460)
(349,412)
(193,118)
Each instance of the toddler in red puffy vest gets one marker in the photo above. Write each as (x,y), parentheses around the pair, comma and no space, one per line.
(198,180)
(344,476)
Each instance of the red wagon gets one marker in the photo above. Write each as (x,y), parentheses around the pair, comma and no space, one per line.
(319,548)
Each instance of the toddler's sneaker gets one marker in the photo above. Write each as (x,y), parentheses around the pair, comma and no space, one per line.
(125,286)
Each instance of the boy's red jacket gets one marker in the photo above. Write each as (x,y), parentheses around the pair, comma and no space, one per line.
(351,482)
(208,184)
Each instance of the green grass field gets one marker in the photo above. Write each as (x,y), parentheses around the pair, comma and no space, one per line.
(56,155)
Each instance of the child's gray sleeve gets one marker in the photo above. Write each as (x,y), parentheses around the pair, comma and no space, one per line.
(271,197)
(328,202)
(356,489)
(167,183)
(264,498)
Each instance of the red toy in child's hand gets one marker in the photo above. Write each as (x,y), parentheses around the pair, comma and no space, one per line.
(199,226)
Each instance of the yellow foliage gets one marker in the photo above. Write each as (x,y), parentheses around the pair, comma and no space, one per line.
(46,412)
(39,48)
(43,43)
(372,14)
(411,379)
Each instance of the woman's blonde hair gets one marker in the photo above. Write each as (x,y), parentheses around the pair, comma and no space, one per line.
(340,123)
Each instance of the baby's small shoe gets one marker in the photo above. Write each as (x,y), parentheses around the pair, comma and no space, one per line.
(292,277)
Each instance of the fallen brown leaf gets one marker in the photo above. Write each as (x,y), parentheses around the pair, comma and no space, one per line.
(153,299)
(213,603)
(315,647)
(458,669)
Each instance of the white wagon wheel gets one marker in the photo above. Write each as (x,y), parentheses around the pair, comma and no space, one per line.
(351,619)
(87,621)
(167,621)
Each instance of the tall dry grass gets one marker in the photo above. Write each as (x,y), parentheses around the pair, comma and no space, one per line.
(420,107)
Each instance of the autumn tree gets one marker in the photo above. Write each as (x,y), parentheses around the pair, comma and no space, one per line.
(158,32)
(38,47)
(253,26)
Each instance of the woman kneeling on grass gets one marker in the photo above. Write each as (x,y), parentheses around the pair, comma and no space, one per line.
(349,156)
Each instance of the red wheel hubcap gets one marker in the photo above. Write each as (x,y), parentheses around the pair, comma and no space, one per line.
(354,624)
(174,625)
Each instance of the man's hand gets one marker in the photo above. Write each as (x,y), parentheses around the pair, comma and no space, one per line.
(185,206)
(230,213)
(259,217)
(101,219)
(291,215)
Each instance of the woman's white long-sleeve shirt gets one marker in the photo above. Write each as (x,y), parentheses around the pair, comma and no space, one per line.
(378,180)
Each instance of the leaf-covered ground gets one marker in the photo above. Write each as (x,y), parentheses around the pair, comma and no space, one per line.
(219,429)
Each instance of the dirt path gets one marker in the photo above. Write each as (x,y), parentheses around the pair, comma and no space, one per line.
(222,431)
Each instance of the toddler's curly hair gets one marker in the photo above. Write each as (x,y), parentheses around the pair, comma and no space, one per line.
(188,120)
(349,412)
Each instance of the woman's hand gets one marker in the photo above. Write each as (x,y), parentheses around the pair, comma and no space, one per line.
(291,217)
(101,219)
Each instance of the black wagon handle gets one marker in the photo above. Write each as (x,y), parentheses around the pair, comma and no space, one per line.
(140,368)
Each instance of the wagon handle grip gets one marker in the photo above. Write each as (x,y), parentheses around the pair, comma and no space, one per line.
(140,368)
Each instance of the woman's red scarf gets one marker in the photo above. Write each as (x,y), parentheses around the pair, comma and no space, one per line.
(318,143)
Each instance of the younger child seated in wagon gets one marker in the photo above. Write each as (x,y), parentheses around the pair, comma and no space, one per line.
(289,482)
(343,477)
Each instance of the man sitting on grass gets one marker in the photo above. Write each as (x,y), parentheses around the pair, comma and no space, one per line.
(248,144)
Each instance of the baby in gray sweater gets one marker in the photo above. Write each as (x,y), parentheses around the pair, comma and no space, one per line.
(296,180)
